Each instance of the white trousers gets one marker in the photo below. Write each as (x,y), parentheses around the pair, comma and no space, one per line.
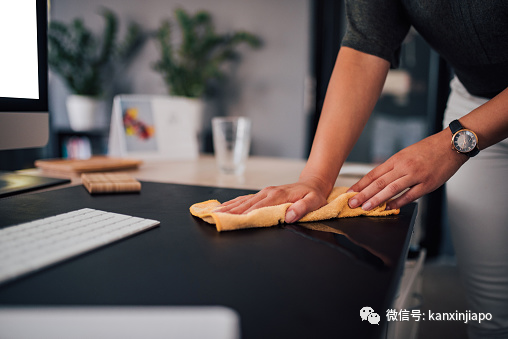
(477,198)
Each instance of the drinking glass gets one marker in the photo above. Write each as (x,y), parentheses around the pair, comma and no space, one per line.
(231,142)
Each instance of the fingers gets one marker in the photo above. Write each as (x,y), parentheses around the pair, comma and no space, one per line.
(303,199)
(303,206)
(269,196)
(234,201)
(381,190)
(411,172)
(391,179)
(381,184)
(239,205)
(231,204)
(373,175)
(409,196)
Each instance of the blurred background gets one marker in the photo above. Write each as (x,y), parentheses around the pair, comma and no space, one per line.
(268,84)
(280,86)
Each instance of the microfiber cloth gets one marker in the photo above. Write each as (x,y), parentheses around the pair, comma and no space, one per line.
(336,207)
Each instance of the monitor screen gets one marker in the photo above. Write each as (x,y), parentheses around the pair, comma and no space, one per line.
(24,121)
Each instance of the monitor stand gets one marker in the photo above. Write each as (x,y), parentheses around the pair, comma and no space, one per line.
(12,183)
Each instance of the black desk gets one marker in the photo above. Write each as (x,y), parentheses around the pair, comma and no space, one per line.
(284,282)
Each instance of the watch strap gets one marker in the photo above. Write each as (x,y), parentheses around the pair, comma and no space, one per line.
(455,126)
(473,152)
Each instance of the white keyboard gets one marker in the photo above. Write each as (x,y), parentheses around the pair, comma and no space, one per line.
(34,245)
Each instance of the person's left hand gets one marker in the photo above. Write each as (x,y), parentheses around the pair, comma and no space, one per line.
(416,170)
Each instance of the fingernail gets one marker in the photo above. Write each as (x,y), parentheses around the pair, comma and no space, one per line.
(366,206)
(349,190)
(353,203)
(290,217)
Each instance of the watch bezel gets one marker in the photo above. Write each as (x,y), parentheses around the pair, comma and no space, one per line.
(464,130)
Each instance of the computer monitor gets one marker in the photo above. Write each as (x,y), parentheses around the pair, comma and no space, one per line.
(24,118)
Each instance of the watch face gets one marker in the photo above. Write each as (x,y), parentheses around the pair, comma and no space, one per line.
(464,141)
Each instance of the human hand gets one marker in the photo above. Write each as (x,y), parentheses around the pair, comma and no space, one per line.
(416,170)
(306,196)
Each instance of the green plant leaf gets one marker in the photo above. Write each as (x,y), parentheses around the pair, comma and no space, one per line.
(188,68)
(86,61)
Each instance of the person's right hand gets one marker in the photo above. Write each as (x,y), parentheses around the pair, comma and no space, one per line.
(306,196)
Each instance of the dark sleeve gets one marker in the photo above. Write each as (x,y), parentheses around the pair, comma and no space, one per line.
(376,27)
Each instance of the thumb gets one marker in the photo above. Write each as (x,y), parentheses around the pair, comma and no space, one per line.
(300,208)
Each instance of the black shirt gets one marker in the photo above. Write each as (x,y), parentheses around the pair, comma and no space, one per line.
(472,35)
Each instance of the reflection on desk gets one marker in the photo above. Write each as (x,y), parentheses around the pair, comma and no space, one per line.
(338,239)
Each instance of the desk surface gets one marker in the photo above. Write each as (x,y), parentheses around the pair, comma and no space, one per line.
(284,282)
(260,172)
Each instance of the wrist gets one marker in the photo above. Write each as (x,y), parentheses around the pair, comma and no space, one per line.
(317,183)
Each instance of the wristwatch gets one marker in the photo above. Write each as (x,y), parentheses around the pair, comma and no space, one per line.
(464,140)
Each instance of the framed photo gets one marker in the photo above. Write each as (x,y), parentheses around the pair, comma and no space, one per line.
(151,127)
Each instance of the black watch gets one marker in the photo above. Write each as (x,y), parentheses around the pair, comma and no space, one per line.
(464,140)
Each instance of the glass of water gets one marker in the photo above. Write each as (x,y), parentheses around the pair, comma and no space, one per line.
(231,142)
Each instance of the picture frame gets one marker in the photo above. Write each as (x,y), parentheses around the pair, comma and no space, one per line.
(154,127)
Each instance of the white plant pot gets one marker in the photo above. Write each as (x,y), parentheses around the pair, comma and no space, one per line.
(82,112)
(194,110)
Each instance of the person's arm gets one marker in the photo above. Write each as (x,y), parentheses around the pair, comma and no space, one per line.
(421,168)
(353,90)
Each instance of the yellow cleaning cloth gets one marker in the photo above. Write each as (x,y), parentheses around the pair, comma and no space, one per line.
(336,207)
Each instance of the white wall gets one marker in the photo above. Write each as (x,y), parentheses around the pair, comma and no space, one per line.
(268,85)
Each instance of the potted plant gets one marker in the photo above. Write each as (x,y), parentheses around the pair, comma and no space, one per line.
(86,62)
(188,68)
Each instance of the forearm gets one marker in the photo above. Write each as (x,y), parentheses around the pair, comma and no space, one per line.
(353,90)
(489,121)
